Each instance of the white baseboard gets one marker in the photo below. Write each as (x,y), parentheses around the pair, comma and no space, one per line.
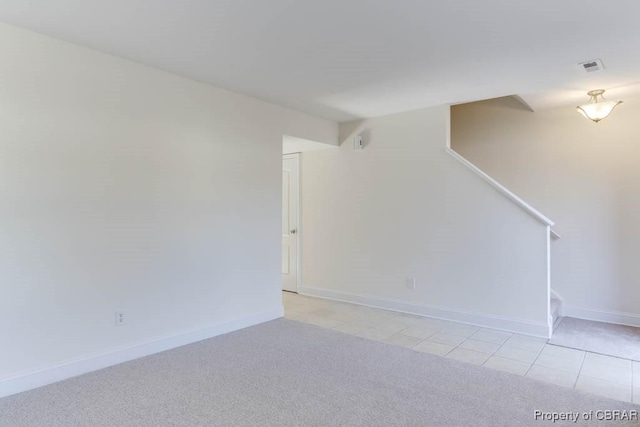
(617,317)
(71,368)
(540,329)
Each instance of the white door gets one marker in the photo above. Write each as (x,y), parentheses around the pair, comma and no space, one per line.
(290,232)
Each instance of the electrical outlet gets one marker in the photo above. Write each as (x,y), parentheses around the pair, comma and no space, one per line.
(411,282)
(120,319)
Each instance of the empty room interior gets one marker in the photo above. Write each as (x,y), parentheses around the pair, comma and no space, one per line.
(319,213)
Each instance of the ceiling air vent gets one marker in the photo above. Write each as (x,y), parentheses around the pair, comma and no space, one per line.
(593,66)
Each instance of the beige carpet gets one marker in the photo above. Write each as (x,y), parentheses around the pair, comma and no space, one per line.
(285,373)
(598,337)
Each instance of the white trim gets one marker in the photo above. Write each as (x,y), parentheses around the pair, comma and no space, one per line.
(501,188)
(554,234)
(548,261)
(616,317)
(296,157)
(490,321)
(82,365)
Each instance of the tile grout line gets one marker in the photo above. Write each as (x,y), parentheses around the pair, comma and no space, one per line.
(498,349)
(471,336)
(435,342)
(432,335)
(584,357)
(457,346)
(467,339)
(464,341)
(536,358)
(426,339)
(380,322)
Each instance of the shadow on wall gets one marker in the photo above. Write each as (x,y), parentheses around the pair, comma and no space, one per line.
(352,129)
(585,176)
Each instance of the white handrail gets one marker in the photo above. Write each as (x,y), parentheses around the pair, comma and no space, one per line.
(517,200)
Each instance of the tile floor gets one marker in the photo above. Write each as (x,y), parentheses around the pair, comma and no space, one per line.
(518,354)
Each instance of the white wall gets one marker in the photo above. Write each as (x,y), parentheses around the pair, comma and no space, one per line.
(583,175)
(292,144)
(403,207)
(125,187)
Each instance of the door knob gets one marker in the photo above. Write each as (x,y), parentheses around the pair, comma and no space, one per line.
(293,231)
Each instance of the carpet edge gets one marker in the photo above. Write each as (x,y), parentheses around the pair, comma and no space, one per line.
(71,368)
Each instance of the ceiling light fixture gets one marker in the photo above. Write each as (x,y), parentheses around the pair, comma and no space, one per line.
(597,108)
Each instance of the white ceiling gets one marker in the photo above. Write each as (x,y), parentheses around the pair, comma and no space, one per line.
(346,59)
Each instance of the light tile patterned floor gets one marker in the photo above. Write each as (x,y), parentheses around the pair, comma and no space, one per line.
(518,354)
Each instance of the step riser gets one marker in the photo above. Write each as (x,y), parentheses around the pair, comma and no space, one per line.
(556,321)
(555,313)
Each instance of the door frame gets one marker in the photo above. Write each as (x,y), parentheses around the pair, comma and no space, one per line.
(296,157)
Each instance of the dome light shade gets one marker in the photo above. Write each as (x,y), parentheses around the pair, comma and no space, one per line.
(597,108)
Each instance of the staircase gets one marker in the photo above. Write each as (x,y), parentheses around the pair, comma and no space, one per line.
(556,312)
(555,302)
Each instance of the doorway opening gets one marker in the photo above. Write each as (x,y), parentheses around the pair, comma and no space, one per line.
(293,151)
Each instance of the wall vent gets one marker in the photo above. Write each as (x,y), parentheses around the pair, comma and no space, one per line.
(593,66)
